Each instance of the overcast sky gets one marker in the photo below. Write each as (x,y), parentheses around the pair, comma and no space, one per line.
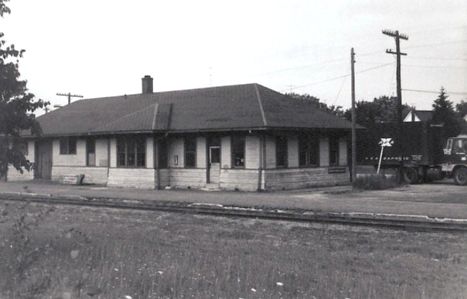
(103,48)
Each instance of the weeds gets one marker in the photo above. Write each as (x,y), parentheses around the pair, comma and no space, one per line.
(375,182)
(105,253)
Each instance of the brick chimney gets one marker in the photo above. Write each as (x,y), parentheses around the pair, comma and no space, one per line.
(147,84)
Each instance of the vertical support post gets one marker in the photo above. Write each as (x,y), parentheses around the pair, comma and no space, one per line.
(354,120)
(380,159)
(399,105)
(156,161)
(398,36)
(260,164)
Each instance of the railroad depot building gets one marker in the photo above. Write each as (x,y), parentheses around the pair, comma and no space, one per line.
(242,137)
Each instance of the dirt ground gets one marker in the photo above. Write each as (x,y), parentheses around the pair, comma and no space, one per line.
(442,199)
(76,252)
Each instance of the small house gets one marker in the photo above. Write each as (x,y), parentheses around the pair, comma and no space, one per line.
(241,137)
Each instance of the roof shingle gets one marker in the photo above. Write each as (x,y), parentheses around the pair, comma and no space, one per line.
(239,107)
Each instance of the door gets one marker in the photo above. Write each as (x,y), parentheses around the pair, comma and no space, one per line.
(91,152)
(43,169)
(214,164)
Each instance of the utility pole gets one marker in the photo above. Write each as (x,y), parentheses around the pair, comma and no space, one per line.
(69,95)
(354,120)
(398,36)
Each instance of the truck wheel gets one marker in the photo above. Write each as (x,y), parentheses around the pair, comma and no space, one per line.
(410,175)
(460,176)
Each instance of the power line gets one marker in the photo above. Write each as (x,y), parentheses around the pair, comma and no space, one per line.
(430,31)
(339,92)
(436,92)
(436,66)
(437,44)
(436,58)
(342,76)
(420,65)
(302,67)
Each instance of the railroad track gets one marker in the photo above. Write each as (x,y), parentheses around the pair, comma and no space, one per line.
(407,222)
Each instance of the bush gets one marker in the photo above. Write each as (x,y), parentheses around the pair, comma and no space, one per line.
(375,182)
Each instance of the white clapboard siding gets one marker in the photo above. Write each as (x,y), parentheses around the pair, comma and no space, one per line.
(252,151)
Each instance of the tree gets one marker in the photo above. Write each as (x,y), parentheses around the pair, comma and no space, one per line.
(16,105)
(443,112)
(461,109)
(381,109)
(336,110)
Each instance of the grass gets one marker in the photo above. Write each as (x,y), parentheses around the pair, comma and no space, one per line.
(72,252)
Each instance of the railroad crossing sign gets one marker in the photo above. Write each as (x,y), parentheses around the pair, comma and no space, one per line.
(386,142)
(383,142)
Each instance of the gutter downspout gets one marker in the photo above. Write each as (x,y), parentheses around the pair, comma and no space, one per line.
(156,162)
(108,158)
(262,164)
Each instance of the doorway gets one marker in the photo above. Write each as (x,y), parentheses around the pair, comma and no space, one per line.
(214,160)
(90,152)
(43,169)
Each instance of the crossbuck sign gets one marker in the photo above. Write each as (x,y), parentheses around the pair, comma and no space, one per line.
(383,142)
(386,142)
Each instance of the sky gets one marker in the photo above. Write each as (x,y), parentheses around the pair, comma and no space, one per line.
(104,48)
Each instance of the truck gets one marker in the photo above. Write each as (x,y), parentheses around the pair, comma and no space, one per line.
(425,154)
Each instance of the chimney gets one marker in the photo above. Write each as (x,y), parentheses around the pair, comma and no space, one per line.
(147,84)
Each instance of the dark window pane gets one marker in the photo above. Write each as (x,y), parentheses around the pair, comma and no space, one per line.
(121,145)
(121,159)
(313,151)
(90,152)
(91,146)
(163,156)
(190,159)
(131,152)
(302,150)
(190,152)
(22,146)
(308,147)
(68,146)
(190,144)
(72,146)
(238,151)
(141,152)
(281,151)
(141,145)
(141,160)
(333,152)
(215,155)
(63,146)
(130,148)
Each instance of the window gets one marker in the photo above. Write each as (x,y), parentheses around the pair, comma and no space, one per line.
(68,146)
(308,148)
(460,146)
(238,151)
(190,152)
(131,152)
(333,151)
(162,153)
(281,151)
(22,146)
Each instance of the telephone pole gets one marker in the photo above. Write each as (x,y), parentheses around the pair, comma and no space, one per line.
(398,36)
(69,95)
(354,120)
